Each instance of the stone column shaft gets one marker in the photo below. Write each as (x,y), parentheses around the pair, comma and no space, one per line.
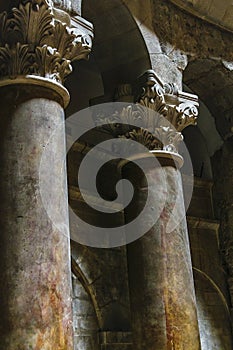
(163,304)
(37,46)
(35,260)
(162,292)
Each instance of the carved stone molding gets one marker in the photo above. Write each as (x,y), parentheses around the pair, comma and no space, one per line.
(180,109)
(37,39)
(160,113)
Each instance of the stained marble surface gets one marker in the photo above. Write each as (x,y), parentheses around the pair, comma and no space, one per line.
(35,293)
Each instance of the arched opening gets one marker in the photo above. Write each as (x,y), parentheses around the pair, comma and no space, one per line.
(119,48)
(212,314)
(202,140)
(85,323)
(119,56)
(211,81)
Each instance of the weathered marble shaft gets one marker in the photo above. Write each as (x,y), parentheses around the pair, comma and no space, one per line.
(35,293)
(160,271)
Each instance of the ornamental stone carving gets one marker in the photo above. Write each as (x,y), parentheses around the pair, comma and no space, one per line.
(180,109)
(39,40)
(160,112)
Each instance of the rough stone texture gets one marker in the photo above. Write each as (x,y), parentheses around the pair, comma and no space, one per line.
(210,280)
(168,69)
(115,341)
(35,289)
(105,272)
(84,319)
(201,205)
(119,47)
(72,6)
(220,13)
(209,72)
(160,275)
(87,332)
(223,194)
(76,6)
(182,31)
(213,82)
(210,286)
(212,315)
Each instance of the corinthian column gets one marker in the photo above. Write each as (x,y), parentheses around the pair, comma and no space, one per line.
(163,304)
(162,292)
(37,45)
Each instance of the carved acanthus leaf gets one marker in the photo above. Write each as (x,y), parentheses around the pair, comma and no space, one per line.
(15,61)
(50,65)
(143,137)
(4,28)
(32,26)
(108,125)
(156,103)
(189,115)
(133,141)
(62,39)
(122,121)
(169,138)
(143,125)
(179,109)
(81,47)
(131,116)
(152,96)
(163,138)
(157,118)
(31,32)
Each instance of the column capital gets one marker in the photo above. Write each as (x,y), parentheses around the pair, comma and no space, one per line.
(38,40)
(160,113)
(179,108)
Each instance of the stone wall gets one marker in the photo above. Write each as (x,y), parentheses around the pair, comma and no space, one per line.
(223,195)
(177,29)
(213,303)
(217,12)
(85,322)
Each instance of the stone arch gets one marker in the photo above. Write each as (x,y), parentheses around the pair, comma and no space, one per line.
(79,273)
(202,140)
(213,312)
(213,82)
(196,145)
(119,56)
(119,47)
(98,271)
(85,317)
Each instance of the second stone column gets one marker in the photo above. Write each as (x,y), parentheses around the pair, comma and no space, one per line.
(162,293)
(163,303)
